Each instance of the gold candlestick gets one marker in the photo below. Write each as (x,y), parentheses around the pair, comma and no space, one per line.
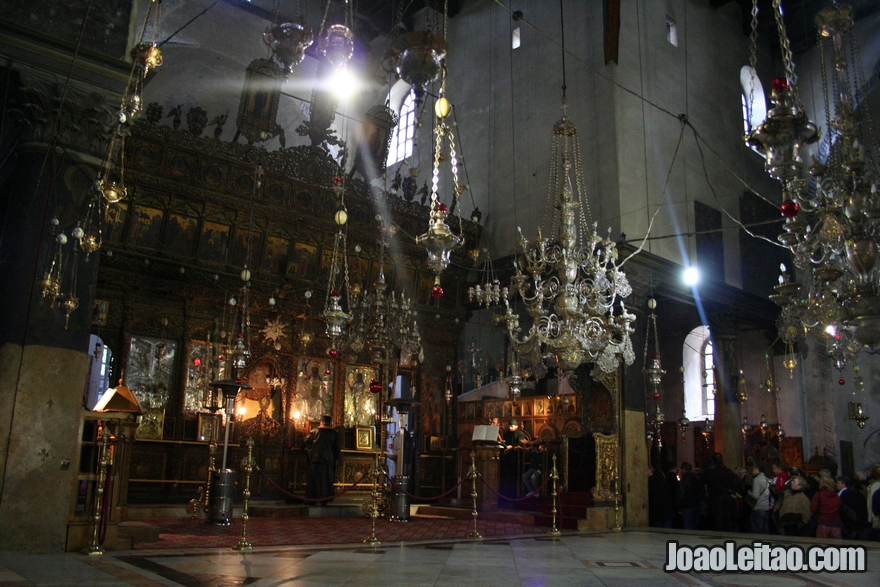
(201,504)
(616,527)
(374,511)
(243,544)
(473,475)
(94,548)
(554,476)
(212,468)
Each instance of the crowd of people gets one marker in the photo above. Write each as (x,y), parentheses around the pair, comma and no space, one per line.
(761,499)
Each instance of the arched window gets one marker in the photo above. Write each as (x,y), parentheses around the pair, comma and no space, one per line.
(699,375)
(754,103)
(707,399)
(402,139)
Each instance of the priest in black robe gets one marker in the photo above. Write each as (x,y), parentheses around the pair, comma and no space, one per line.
(323,450)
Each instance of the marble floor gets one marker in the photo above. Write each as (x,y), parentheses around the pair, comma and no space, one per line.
(594,559)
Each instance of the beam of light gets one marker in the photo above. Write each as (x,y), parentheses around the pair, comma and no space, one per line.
(691,276)
(343,82)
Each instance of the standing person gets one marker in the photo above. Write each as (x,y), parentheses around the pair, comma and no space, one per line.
(780,477)
(690,490)
(853,508)
(795,513)
(661,501)
(721,484)
(323,450)
(826,505)
(760,492)
(533,476)
(497,423)
(672,478)
(873,498)
(514,439)
(742,518)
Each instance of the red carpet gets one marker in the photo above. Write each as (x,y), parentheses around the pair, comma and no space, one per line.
(186,533)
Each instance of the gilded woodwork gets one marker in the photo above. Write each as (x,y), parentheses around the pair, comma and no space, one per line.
(606,466)
(172,277)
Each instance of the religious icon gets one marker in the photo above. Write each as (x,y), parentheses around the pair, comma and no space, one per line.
(208,426)
(147,228)
(364,438)
(314,389)
(258,106)
(99,314)
(360,402)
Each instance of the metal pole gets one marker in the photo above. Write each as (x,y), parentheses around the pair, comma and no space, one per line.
(474,475)
(243,544)
(374,512)
(230,409)
(212,468)
(94,548)
(554,476)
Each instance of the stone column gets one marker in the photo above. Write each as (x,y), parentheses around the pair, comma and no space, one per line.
(728,420)
(43,365)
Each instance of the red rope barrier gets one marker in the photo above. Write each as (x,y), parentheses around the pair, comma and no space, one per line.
(538,490)
(419,497)
(309,499)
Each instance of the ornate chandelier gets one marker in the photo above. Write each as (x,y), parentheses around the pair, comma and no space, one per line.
(384,324)
(569,284)
(830,220)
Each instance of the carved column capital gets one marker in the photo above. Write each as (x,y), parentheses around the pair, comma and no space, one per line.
(84,124)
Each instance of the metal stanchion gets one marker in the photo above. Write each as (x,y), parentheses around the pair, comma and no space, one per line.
(94,548)
(212,468)
(374,512)
(616,527)
(554,476)
(473,475)
(565,463)
(243,544)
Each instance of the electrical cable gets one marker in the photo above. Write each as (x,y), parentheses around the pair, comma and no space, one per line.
(189,22)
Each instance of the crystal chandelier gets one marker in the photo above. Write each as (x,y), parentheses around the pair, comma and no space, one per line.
(384,324)
(830,220)
(570,284)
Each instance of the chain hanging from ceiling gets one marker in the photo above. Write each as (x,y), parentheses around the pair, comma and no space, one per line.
(439,241)
(831,218)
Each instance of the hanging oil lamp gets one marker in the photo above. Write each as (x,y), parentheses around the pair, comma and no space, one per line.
(288,42)
(417,58)
(683,425)
(856,411)
(742,393)
(337,45)
(440,241)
